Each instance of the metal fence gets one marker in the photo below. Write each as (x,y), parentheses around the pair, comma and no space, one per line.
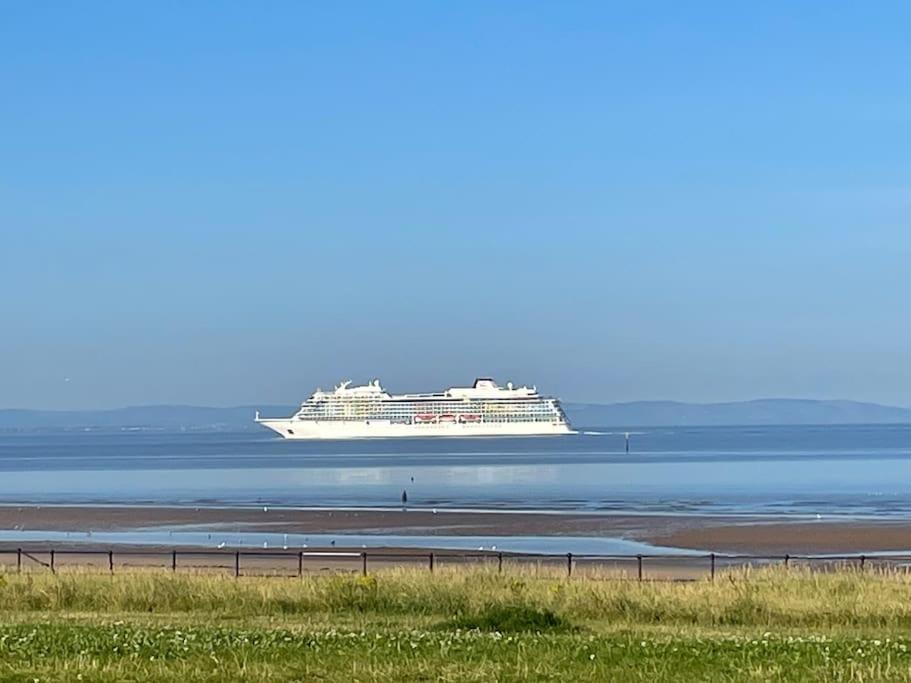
(296,563)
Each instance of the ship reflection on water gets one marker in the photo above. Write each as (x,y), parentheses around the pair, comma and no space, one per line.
(774,470)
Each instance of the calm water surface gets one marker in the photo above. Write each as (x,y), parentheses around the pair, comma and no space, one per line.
(803,471)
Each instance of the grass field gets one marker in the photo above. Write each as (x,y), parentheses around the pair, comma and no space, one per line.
(471,625)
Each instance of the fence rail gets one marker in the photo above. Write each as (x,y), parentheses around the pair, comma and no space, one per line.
(296,563)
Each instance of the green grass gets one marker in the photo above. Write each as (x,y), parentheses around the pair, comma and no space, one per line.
(457,625)
(510,619)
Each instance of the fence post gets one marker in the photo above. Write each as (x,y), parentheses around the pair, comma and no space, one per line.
(569,564)
(236,564)
(713,566)
(18,560)
(111,561)
(52,560)
(173,560)
(787,560)
(639,565)
(431,563)
(862,561)
(364,564)
(500,563)
(300,563)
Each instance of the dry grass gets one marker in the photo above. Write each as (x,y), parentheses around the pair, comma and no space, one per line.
(757,597)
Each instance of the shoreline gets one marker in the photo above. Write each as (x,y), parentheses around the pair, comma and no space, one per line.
(720,534)
(366,521)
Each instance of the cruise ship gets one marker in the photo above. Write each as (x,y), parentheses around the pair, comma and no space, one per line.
(368,411)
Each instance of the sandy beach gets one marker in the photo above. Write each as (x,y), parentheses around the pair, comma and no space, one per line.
(303,521)
(717,534)
(776,538)
(735,536)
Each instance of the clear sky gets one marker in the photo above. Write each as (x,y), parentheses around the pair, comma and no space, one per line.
(226,203)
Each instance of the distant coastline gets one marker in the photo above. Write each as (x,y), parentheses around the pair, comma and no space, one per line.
(617,415)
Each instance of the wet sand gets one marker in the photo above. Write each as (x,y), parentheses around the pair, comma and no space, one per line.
(296,521)
(715,534)
(778,538)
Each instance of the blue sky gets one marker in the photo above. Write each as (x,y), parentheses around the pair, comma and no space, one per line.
(223,203)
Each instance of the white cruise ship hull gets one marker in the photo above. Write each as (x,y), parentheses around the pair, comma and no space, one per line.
(369,412)
(378,429)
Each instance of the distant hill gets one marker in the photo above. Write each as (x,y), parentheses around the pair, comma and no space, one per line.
(637,413)
(194,418)
(770,411)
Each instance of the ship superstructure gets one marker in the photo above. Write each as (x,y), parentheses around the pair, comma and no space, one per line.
(483,409)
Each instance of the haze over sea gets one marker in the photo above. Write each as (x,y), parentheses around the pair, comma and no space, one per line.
(835,470)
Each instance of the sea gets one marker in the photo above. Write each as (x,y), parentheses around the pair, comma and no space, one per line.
(845,471)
